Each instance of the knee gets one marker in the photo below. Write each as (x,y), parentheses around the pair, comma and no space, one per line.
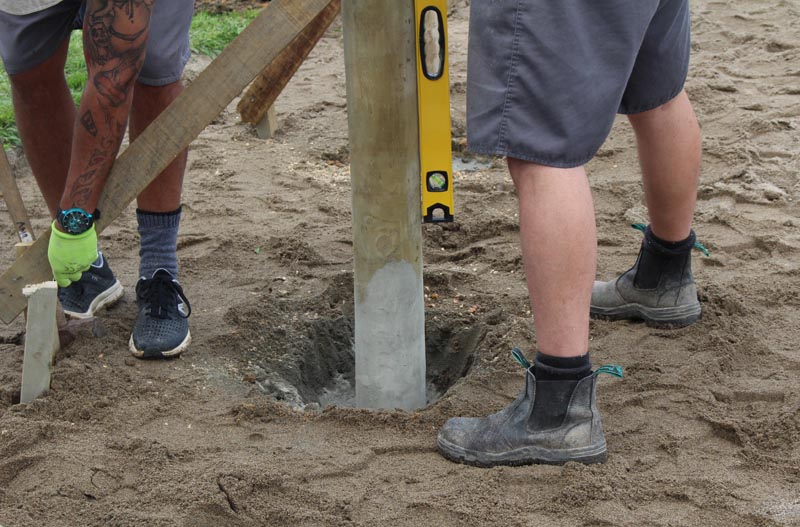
(677,106)
(516,165)
(521,171)
(162,67)
(36,83)
(155,97)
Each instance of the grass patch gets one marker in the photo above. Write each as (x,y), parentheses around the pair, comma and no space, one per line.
(8,131)
(210,33)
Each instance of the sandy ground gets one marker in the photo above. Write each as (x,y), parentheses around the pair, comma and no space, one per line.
(703,430)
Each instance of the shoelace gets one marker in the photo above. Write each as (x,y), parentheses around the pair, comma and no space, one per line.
(160,292)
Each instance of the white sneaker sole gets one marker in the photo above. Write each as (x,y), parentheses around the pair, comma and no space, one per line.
(103,300)
(174,352)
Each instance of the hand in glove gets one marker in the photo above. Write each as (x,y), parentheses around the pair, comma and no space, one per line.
(71,254)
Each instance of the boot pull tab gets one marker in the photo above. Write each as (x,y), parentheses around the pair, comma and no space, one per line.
(697,245)
(519,357)
(610,369)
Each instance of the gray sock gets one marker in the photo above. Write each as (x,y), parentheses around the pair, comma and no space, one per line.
(159,241)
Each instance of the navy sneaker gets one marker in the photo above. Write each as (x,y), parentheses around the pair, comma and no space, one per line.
(97,288)
(162,328)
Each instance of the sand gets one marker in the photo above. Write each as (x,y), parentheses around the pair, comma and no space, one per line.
(704,429)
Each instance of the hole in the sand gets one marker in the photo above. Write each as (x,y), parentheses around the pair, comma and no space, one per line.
(319,368)
(300,351)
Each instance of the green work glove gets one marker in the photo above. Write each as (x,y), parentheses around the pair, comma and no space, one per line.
(71,254)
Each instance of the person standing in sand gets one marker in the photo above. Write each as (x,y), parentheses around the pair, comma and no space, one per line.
(135,52)
(545,80)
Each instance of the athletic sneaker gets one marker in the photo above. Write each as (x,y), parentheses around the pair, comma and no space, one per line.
(97,288)
(162,328)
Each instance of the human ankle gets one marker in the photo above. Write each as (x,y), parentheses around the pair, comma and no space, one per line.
(552,368)
(158,232)
(663,261)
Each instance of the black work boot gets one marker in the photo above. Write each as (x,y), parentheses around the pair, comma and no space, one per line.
(658,289)
(551,422)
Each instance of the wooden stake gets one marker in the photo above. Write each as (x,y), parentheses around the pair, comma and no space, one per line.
(268,125)
(61,318)
(19,249)
(13,199)
(261,95)
(172,131)
(41,340)
(379,47)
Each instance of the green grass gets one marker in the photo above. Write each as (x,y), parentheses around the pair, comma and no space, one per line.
(211,33)
(209,36)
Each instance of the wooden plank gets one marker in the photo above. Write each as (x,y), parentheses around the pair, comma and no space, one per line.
(13,199)
(41,340)
(172,131)
(379,47)
(261,95)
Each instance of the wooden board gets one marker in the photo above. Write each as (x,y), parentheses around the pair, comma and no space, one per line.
(172,131)
(13,199)
(262,94)
(41,340)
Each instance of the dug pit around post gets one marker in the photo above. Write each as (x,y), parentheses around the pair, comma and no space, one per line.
(304,356)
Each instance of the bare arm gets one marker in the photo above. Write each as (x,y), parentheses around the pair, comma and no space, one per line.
(114,37)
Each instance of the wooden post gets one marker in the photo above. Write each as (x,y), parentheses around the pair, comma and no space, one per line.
(41,340)
(379,48)
(268,125)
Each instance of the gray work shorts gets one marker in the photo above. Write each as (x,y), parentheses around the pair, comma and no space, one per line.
(28,40)
(546,77)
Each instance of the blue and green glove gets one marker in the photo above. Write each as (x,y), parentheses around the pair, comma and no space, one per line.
(71,254)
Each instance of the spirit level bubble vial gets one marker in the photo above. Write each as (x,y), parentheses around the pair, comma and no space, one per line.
(433,99)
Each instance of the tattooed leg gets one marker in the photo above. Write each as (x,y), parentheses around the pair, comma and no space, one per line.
(114,39)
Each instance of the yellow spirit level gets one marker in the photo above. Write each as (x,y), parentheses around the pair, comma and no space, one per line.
(433,99)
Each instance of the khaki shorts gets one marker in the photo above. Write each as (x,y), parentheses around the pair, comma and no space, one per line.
(28,40)
(546,77)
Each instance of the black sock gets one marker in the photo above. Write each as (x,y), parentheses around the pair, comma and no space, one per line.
(681,246)
(662,261)
(550,368)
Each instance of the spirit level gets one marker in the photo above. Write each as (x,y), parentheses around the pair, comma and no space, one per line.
(433,100)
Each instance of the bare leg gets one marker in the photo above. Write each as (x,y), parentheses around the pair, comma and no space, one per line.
(164,193)
(559,247)
(45,115)
(668,139)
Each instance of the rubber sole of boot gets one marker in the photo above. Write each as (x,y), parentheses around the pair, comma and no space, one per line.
(104,300)
(657,317)
(167,354)
(522,456)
